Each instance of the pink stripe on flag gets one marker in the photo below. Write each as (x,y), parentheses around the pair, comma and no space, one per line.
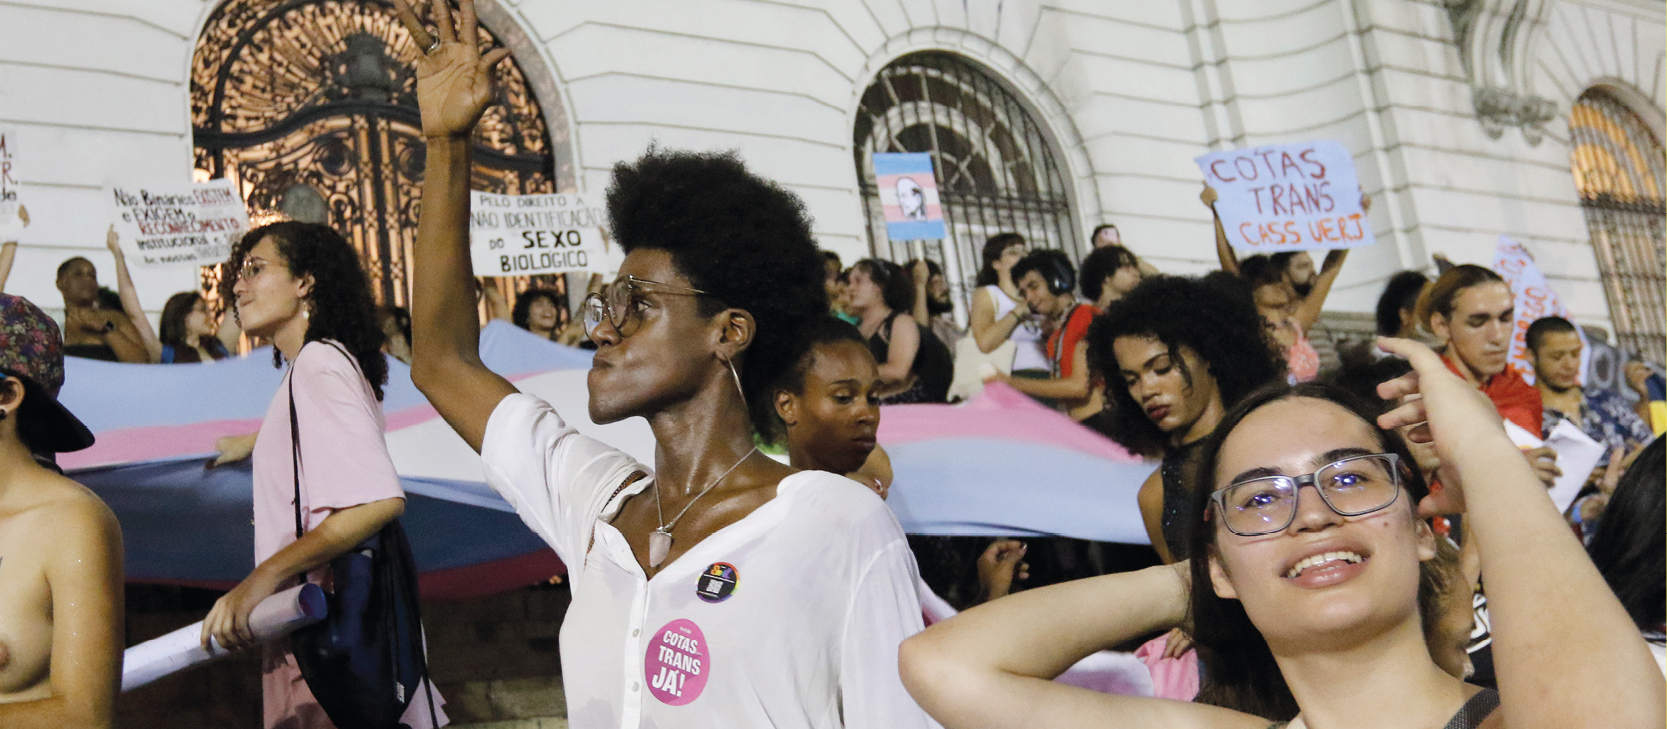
(1000,412)
(155,442)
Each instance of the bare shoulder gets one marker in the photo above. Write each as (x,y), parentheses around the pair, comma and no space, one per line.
(72,513)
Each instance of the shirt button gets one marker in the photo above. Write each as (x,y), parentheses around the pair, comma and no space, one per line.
(634,685)
(635,632)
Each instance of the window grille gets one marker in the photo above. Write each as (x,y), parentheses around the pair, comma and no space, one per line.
(1618,167)
(310,107)
(996,170)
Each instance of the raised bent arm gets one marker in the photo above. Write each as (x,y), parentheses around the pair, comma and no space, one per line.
(87,636)
(454,85)
(988,330)
(1308,312)
(992,665)
(1552,614)
(1224,252)
(130,299)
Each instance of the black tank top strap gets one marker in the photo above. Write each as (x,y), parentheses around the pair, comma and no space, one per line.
(1475,710)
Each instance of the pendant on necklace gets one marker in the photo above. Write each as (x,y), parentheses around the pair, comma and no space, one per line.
(659,545)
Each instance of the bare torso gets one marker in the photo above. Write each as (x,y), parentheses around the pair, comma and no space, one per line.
(34,515)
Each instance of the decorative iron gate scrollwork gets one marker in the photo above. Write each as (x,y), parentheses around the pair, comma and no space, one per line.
(310,106)
(1618,167)
(996,170)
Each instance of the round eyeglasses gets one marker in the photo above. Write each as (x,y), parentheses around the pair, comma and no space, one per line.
(1351,487)
(620,303)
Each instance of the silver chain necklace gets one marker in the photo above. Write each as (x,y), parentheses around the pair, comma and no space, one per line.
(659,540)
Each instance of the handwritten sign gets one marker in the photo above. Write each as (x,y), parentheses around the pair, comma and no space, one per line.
(178,225)
(1534,300)
(523,235)
(1289,197)
(10,221)
(909,196)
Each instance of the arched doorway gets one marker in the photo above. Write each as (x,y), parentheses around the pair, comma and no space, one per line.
(1621,172)
(310,106)
(997,171)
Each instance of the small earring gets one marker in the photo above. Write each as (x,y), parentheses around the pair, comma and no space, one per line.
(306,310)
(4,413)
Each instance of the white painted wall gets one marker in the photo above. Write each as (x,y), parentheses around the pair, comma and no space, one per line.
(1129,90)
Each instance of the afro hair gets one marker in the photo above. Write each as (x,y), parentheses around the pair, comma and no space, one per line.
(741,238)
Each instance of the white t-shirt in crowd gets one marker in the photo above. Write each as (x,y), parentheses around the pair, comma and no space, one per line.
(790,617)
(1027,336)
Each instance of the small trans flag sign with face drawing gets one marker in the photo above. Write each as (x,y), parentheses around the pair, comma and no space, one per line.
(909,196)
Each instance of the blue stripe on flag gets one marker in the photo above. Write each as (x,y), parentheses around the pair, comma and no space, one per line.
(889,163)
(916,230)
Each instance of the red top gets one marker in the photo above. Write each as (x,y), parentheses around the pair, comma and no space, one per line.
(1515,399)
(1076,327)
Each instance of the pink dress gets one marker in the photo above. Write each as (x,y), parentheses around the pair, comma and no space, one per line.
(345,463)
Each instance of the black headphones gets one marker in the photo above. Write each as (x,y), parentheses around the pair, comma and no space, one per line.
(1057,272)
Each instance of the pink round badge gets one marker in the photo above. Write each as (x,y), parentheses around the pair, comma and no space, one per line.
(677,663)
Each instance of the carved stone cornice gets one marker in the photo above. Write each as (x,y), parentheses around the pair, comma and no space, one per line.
(1497,41)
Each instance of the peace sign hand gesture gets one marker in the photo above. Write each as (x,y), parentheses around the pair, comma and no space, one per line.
(454,81)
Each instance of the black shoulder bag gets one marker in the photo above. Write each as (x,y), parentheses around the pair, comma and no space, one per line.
(365,660)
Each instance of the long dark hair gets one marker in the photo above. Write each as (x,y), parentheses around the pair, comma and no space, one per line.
(1239,670)
(524,304)
(993,248)
(1224,331)
(175,334)
(342,306)
(1629,547)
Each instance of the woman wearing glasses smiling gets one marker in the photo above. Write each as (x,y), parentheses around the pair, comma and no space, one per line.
(1308,603)
(718,588)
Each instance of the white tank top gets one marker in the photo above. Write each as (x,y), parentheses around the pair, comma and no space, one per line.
(1027,336)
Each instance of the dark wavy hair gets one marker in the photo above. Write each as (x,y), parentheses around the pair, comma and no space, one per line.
(524,304)
(1629,546)
(820,332)
(897,289)
(342,306)
(993,248)
(741,238)
(1400,294)
(1103,263)
(1224,332)
(174,334)
(1261,271)
(1239,670)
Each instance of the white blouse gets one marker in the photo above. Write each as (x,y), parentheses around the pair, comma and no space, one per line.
(790,617)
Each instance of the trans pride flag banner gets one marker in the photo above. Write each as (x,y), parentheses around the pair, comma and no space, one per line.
(1000,465)
(909,196)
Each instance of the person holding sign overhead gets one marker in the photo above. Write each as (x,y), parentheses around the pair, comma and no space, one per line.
(718,588)
(1288,294)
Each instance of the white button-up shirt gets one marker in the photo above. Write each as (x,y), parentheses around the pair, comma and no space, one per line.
(790,617)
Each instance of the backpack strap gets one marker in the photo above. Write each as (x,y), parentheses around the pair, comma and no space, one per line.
(295,428)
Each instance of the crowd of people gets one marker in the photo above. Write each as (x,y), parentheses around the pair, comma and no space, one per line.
(720,587)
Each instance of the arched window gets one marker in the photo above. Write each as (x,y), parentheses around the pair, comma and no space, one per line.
(1619,169)
(996,170)
(310,106)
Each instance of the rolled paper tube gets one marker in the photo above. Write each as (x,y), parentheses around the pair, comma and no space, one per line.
(274,617)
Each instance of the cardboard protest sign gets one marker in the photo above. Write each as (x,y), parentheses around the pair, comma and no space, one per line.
(178,225)
(10,222)
(909,196)
(524,235)
(1534,300)
(1288,197)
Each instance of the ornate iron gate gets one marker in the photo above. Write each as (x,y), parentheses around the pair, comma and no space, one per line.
(310,106)
(1618,167)
(996,170)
